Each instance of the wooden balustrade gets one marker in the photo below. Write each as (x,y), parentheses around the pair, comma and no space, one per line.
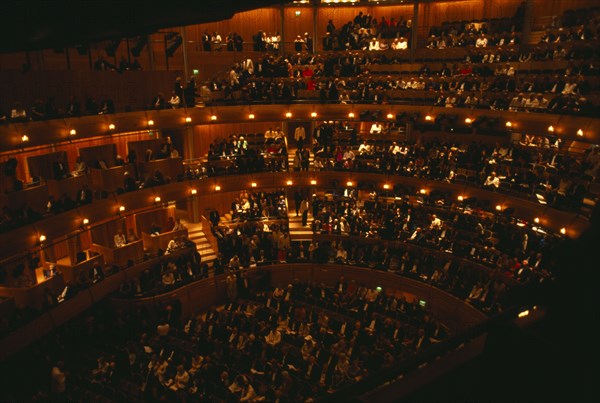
(111,179)
(133,251)
(71,273)
(153,243)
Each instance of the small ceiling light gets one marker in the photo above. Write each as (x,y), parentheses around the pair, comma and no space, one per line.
(536,220)
(193,191)
(428,118)
(288,115)
(24,138)
(313,181)
(150,122)
(253,184)
(213,117)
(73,132)
(563,230)
(580,133)
(313,114)
(217,188)
(551,129)
(498,207)
(460,198)
(422,191)
(111,126)
(188,119)
(349,184)
(157,199)
(121,208)
(509,124)
(42,238)
(390,116)
(251,116)
(386,186)
(85,221)
(289,182)
(351,115)
(468,121)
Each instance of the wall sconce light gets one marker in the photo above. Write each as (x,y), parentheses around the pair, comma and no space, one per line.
(580,133)
(551,129)
(349,184)
(150,122)
(121,208)
(468,121)
(288,115)
(157,199)
(24,138)
(428,118)
(254,184)
(251,116)
(390,116)
(498,207)
(213,117)
(423,191)
(111,127)
(217,188)
(563,230)
(460,198)
(509,124)
(351,115)
(73,132)
(42,238)
(386,186)
(313,181)
(85,221)
(536,220)
(289,182)
(188,119)
(193,191)
(313,115)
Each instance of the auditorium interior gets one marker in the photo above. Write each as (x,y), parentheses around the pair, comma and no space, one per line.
(299,201)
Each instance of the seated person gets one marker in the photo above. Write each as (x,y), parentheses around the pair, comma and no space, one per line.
(154,229)
(120,239)
(492,181)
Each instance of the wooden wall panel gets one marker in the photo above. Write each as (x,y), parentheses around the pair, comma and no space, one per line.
(104,234)
(144,221)
(105,152)
(297,25)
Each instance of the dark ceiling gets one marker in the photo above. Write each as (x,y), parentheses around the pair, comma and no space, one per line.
(41,24)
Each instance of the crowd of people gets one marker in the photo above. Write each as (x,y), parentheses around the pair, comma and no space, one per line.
(252,205)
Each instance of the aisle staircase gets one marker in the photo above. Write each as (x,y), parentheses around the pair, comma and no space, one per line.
(196,235)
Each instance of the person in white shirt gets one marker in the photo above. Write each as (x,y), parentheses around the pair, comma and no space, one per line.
(364,148)
(299,135)
(481,42)
(374,44)
(174,101)
(435,222)
(273,338)
(119,239)
(376,128)
(403,44)
(394,148)
(492,181)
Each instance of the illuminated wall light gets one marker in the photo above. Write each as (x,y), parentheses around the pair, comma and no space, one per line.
(551,129)
(509,124)
(217,188)
(42,238)
(288,115)
(24,138)
(386,186)
(121,208)
(422,191)
(349,184)
(289,182)
(536,220)
(297,13)
(351,115)
(580,133)
(85,221)
(313,114)
(460,198)
(150,122)
(468,121)
(111,126)
(390,116)
(193,191)
(523,314)
(254,184)
(498,207)
(563,230)
(251,116)
(188,119)
(213,117)
(73,132)
(157,199)
(428,118)
(313,181)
